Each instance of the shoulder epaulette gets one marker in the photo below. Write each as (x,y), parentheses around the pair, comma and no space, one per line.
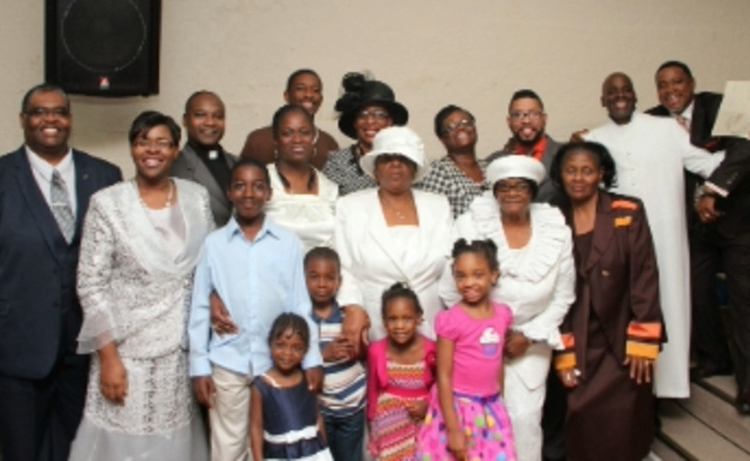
(624,205)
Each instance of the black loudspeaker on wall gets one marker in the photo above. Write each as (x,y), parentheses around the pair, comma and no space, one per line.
(103,47)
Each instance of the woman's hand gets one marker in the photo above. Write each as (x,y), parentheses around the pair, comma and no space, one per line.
(314,378)
(516,344)
(641,368)
(568,377)
(204,389)
(417,409)
(355,328)
(457,444)
(338,349)
(113,378)
(220,319)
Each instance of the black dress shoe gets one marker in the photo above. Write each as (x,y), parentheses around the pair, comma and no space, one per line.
(742,403)
(703,372)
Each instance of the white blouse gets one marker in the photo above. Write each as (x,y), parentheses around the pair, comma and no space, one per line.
(311,217)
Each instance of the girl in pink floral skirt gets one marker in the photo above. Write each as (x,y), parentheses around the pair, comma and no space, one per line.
(467,419)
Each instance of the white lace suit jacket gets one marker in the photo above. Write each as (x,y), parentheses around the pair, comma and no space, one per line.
(131,290)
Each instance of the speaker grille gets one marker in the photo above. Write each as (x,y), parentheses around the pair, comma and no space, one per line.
(103,36)
(103,47)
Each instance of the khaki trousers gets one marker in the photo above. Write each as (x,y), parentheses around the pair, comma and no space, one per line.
(230,416)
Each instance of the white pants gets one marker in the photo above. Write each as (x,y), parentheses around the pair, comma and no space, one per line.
(230,416)
(524,407)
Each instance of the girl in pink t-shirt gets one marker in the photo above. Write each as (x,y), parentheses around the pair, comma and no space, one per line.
(467,419)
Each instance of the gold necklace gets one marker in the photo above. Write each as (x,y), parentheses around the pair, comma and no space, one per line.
(400,215)
(170,194)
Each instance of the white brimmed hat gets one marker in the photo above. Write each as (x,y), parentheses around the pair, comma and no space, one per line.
(515,166)
(396,140)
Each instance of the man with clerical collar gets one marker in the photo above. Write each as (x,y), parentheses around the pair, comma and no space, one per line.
(45,187)
(719,229)
(303,88)
(527,122)
(202,159)
(650,153)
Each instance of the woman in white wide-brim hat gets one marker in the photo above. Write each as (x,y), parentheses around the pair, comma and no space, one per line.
(537,280)
(393,232)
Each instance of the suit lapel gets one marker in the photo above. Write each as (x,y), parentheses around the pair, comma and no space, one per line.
(201,174)
(549,155)
(37,205)
(603,231)
(85,188)
(378,229)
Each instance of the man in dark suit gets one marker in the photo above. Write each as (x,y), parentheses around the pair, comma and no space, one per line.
(203,160)
(45,188)
(719,229)
(527,122)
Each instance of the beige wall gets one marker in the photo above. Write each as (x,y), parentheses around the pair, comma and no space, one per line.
(474,53)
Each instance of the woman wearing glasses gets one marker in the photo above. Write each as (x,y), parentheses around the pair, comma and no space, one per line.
(459,175)
(537,280)
(366,107)
(141,242)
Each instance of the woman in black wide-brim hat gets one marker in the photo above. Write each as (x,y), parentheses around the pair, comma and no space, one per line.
(365,108)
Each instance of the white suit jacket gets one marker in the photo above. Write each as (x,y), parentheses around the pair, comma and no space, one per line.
(376,260)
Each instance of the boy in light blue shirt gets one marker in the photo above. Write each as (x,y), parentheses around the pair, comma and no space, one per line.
(255,267)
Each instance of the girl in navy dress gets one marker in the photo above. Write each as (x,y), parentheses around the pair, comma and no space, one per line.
(285,422)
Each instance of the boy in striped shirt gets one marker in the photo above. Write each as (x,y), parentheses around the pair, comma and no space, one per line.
(342,401)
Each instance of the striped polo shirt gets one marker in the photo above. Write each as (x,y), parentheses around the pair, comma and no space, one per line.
(344,383)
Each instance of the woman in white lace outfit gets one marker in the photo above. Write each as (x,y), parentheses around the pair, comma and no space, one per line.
(537,280)
(140,244)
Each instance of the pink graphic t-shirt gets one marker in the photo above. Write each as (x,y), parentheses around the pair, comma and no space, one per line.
(478,352)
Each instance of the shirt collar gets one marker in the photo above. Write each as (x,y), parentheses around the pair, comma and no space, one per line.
(44,169)
(335,314)
(537,150)
(269,228)
(205,153)
(687,114)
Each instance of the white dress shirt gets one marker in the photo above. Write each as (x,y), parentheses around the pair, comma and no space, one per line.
(42,172)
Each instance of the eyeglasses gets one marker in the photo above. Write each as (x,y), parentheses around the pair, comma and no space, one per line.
(158,144)
(43,112)
(533,116)
(378,115)
(504,187)
(465,123)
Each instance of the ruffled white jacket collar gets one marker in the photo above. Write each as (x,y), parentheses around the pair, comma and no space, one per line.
(548,233)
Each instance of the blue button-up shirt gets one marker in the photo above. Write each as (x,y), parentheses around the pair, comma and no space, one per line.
(257,281)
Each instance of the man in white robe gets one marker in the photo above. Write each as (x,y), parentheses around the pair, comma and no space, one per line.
(650,153)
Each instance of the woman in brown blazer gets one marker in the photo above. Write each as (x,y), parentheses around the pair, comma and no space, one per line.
(613,332)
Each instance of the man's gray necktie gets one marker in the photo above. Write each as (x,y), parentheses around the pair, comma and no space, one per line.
(61,206)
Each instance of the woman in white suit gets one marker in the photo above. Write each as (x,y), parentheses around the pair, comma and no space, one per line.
(392,232)
(537,281)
